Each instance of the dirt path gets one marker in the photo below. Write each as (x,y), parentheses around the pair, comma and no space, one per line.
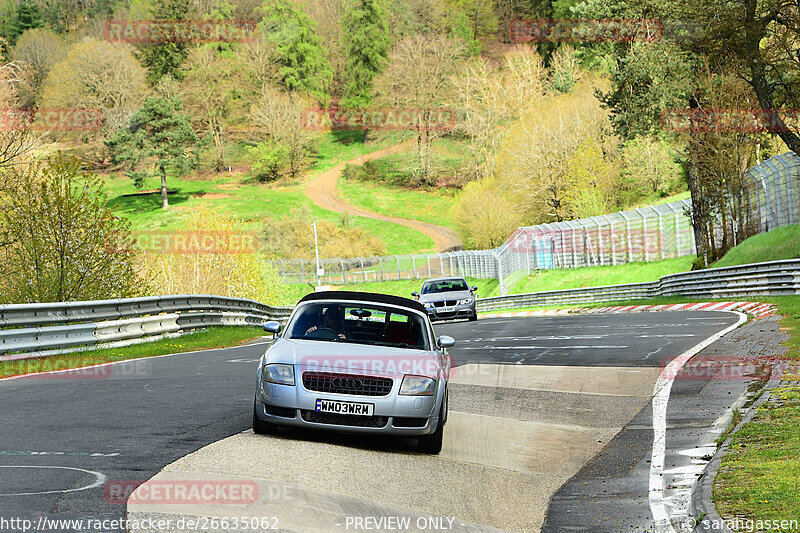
(322,191)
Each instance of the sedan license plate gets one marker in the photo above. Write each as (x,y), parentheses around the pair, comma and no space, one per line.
(446,309)
(345,408)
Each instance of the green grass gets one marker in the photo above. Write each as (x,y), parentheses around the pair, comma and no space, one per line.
(780,243)
(486,287)
(759,477)
(415,204)
(575,278)
(216,337)
(340,146)
(250,202)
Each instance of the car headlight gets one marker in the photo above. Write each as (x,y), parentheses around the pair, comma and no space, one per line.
(465,301)
(417,386)
(428,304)
(278,373)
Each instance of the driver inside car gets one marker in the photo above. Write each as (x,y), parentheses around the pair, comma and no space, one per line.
(332,318)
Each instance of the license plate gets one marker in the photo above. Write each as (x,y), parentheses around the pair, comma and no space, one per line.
(345,408)
(446,309)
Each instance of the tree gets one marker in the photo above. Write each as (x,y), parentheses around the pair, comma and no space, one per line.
(17,139)
(100,75)
(210,91)
(279,117)
(419,79)
(157,131)
(367,43)
(166,57)
(649,168)
(40,49)
(303,61)
(59,240)
(27,17)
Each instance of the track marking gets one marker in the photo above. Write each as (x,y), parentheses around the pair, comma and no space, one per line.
(98,481)
(660,399)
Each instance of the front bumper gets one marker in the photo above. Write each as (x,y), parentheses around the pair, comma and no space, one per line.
(294,406)
(459,311)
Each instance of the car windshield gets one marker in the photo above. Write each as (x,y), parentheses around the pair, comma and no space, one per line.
(360,324)
(447,285)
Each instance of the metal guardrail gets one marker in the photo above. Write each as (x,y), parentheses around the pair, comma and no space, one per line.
(774,278)
(35,330)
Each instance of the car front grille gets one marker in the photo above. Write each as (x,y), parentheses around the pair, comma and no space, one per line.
(445,303)
(344,420)
(347,384)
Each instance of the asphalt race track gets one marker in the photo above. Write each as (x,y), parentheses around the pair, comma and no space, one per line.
(65,437)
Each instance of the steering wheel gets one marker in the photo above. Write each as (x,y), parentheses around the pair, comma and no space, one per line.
(323,333)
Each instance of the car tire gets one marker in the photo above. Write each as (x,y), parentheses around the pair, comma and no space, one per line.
(432,444)
(474,317)
(262,428)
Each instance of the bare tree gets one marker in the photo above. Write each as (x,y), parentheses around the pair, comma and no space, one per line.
(101,75)
(279,117)
(40,49)
(419,79)
(17,139)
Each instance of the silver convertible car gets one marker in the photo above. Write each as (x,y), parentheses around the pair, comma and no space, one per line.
(355,362)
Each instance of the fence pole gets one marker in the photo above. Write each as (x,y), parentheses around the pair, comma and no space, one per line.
(283,269)
(363,273)
(660,233)
(344,280)
(302,272)
(380,263)
(414,267)
(599,241)
(628,233)
(613,240)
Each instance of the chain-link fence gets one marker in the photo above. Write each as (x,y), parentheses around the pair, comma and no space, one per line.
(643,234)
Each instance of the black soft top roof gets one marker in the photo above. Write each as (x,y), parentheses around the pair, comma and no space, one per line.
(364,297)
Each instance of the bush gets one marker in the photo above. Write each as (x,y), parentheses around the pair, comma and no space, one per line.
(293,237)
(59,241)
(270,160)
(232,266)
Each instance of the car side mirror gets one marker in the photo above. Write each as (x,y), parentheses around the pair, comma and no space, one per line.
(272,327)
(415,294)
(446,342)
(474,289)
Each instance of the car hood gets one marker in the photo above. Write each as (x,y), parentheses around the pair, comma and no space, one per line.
(441,296)
(325,356)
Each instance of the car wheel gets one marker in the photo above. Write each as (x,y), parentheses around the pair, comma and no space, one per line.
(262,428)
(474,317)
(432,443)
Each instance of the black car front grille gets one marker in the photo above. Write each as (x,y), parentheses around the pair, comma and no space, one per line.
(408,422)
(280,411)
(445,303)
(344,420)
(347,384)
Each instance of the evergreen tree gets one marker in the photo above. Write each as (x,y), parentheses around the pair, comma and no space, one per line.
(367,43)
(159,131)
(27,17)
(303,61)
(167,57)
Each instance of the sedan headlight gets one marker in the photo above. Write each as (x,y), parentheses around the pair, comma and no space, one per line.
(278,373)
(417,386)
(465,301)
(428,304)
